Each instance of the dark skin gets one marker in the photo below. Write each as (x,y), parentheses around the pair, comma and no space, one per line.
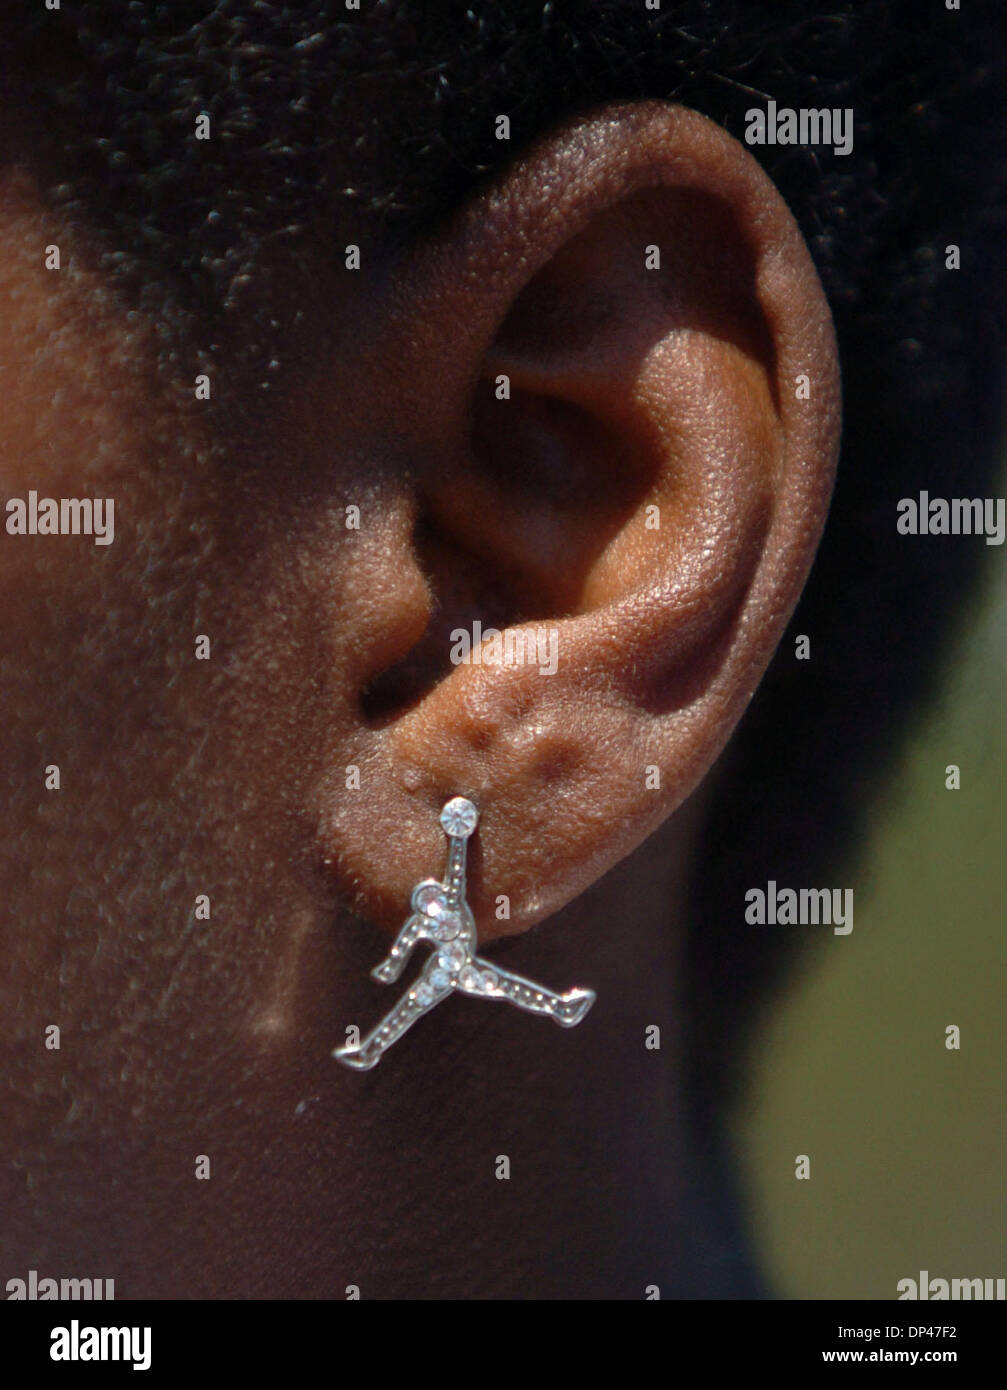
(630,388)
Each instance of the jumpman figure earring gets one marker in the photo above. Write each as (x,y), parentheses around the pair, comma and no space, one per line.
(442,917)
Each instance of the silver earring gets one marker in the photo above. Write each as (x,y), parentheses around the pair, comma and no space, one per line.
(441,916)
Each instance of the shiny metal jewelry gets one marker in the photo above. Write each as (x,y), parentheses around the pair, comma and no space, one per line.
(442,917)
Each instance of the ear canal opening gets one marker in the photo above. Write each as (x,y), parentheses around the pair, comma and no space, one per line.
(466,598)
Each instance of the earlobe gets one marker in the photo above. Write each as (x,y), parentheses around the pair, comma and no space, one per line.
(614,453)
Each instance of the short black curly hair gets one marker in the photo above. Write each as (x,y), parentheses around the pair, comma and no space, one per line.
(389,109)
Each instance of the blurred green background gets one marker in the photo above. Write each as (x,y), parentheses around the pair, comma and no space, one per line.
(907,1140)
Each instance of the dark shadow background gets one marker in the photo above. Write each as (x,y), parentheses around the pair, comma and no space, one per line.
(906,1138)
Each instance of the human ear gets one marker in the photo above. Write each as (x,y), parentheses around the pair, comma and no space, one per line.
(616,398)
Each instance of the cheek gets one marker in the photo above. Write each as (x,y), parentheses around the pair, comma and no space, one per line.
(106,502)
(98,532)
(97,640)
(187,681)
(179,777)
(71,406)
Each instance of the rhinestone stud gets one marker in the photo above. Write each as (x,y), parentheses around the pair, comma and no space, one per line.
(459,818)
